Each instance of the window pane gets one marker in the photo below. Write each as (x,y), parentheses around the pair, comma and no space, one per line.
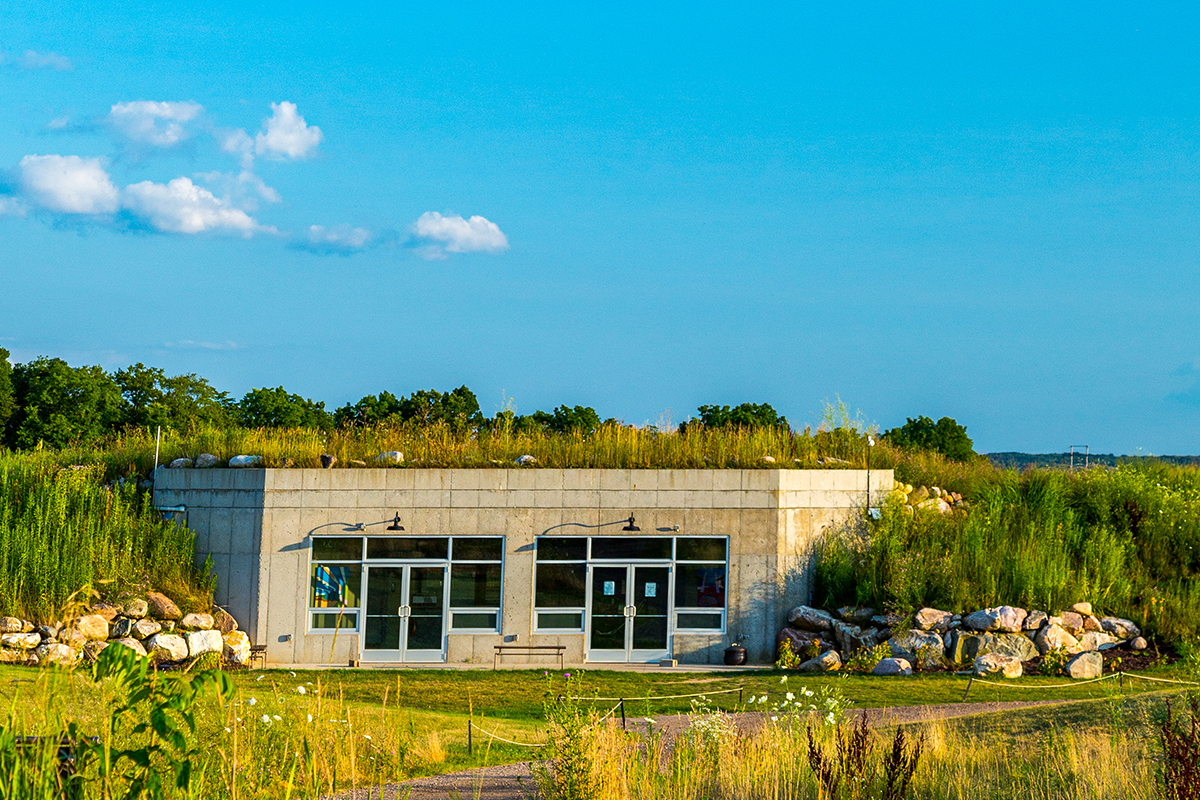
(478,548)
(563,621)
(483,619)
(561,586)
(694,621)
(335,585)
(700,585)
(699,549)
(337,548)
(474,585)
(624,547)
(331,621)
(404,547)
(572,548)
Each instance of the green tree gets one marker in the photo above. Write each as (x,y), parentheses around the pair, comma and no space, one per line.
(151,398)
(371,410)
(8,402)
(58,404)
(746,415)
(944,436)
(583,419)
(275,408)
(459,407)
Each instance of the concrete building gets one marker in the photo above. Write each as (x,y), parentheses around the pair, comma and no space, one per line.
(419,566)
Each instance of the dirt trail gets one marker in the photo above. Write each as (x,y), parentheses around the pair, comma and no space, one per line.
(515,781)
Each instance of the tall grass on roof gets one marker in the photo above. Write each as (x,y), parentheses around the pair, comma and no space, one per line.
(62,531)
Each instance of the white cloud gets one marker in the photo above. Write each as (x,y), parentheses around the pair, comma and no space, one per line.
(68,184)
(286,134)
(339,240)
(139,121)
(179,206)
(11,206)
(239,143)
(32,59)
(245,189)
(453,234)
(58,123)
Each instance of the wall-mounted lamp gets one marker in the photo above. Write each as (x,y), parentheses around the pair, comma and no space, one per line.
(396,526)
(631,526)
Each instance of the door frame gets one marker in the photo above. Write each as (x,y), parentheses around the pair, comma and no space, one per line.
(608,656)
(403,655)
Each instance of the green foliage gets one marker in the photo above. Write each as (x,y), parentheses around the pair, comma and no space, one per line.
(944,436)
(580,419)
(61,531)
(275,408)
(57,404)
(568,773)
(1126,540)
(788,657)
(458,408)
(746,415)
(1055,661)
(181,402)
(864,659)
(8,402)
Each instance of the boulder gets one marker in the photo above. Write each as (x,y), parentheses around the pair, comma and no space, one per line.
(137,608)
(525,460)
(354,462)
(909,645)
(930,619)
(181,463)
(92,650)
(1121,628)
(1017,645)
(196,622)
(201,642)
(11,625)
(92,627)
(162,607)
(107,610)
(72,637)
(167,647)
(206,460)
(806,618)
(1097,640)
(1090,623)
(120,628)
(1082,609)
(145,628)
(237,647)
(223,620)
(327,461)
(892,666)
(1070,622)
(21,641)
(49,631)
(851,637)
(1139,643)
(390,457)
(1007,619)
(132,644)
(14,657)
(767,459)
(1035,620)
(997,664)
(856,614)
(828,661)
(241,462)
(1053,636)
(1085,666)
(801,640)
(55,653)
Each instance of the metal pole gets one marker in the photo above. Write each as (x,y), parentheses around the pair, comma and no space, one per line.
(157,444)
(968,691)
(622,713)
(470,747)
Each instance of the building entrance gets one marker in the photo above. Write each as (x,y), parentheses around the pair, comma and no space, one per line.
(630,614)
(405,613)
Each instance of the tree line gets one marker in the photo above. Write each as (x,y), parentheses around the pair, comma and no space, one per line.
(47,401)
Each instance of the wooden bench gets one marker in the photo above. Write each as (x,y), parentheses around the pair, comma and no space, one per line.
(258,652)
(559,650)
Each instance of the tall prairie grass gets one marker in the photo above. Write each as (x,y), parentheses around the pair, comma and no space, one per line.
(1126,539)
(62,532)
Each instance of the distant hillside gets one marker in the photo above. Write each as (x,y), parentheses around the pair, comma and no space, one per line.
(1024,460)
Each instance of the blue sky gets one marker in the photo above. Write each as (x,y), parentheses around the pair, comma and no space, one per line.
(985,212)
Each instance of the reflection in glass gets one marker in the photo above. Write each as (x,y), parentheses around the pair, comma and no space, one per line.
(408,547)
(335,585)
(563,548)
(478,548)
(561,586)
(700,585)
(699,549)
(337,548)
(475,585)
(631,547)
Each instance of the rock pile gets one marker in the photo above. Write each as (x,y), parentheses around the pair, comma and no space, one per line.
(152,627)
(993,641)
(931,498)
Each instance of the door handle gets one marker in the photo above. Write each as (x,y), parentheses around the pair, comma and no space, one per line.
(404,611)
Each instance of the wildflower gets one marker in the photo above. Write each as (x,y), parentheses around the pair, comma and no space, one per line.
(649,721)
(292,674)
(310,717)
(783,679)
(276,717)
(266,720)
(365,736)
(567,675)
(808,692)
(227,730)
(774,718)
(301,689)
(762,699)
(260,677)
(252,701)
(790,697)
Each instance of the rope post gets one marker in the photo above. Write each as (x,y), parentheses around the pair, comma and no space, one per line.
(968,691)
(740,690)
(623,714)
(1121,675)
(470,749)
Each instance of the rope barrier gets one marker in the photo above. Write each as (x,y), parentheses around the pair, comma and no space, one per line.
(1110,676)
(660,696)
(1158,680)
(502,739)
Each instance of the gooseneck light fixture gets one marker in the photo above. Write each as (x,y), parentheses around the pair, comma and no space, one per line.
(631,526)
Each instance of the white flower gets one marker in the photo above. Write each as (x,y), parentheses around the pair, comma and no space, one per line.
(762,699)
(649,721)
(774,718)
(808,693)
(301,689)
(228,731)
(783,679)
(266,719)
(310,717)
(790,697)
(260,677)
(276,717)
(292,674)
(252,701)
(365,736)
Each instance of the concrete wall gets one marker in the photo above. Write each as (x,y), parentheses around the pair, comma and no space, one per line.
(257,524)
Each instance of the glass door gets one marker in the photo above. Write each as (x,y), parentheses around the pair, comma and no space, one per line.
(405,614)
(629,616)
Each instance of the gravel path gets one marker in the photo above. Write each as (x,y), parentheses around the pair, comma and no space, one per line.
(515,781)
